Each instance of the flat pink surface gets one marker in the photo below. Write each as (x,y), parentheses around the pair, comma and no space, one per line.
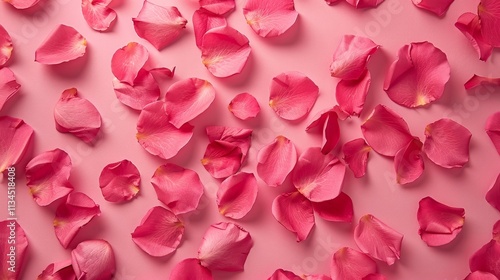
(307,47)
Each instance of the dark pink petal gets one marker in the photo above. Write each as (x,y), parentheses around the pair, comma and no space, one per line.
(362,4)
(492,129)
(350,264)
(8,85)
(496,231)
(47,176)
(187,99)
(225,246)
(159,25)
(447,143)
(408,162)
(190,269)
(316,277)
(493,194)
(295,212)
(470,26)
(351,94)
(270,18)
(159,233)
(23,4)
(218,7)
(97,14)
(317,176)
(58,271)
(489,16)
(77,211)
(19,252)
(375,276)
(237,194)
(128,61)
(144,91)
(222,159)
(438,7)
(62,45)
(281,274)
(476,81)
(351,57)
(479,275)
(276,161)
(119,181)
(378,240)
(77,116)
(244,106)
(418,76)
(203,21)
(224,51)
(329,127)
(386,132)
(292,95)
(356,154)
(178,188)
(157,135)
(5,46)
(240,137)
(339,209)
(162,73)
(439,223)
(487,259)
(15,141)
(93,259)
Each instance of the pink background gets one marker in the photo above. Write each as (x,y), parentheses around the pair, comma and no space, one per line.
(307,47)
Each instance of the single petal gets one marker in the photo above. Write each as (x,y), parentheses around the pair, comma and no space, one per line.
(339,209)
(15,141)
(77,211)
(439,223)
(47,176)
(447,143)
(316,277)
(159,25)
(144,91)
(128,61)
(477,81)
(479,275)
(190,269)
(7,229)
(492,129)
(120,181)
(8,84)
(225,246)
(93,259)
(378,240)
(362,4)
(6,47)
(281,274)
(218,7)
(157,135)
(487,259)
(418,76)
(244,106)
(222,159)
(178,188)
(58,271)
(350,264)
(270,18)
(237,194)
(77,116)
(97,14)
(408,162)
(159,233)
(438,7)
(351,94)
(276,161)
(375,276)
(496,231)
(162,72)
(317,176)
(295,212)
(203,21)
(351,57)
(356,154)
(489,16)
(470,26)
(329,127)
(493,194)
(292,95)
(241,137)
(62,45)
(23,4)
(386,132)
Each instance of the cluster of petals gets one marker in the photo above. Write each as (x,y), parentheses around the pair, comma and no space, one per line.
(97,13)
(62,45)
(16,139)
(270,18)
(120,181)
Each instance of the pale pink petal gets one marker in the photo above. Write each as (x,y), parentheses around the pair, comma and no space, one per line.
(386,132)
(317,176)
(157,135)
(203,21)
(447,143)
(439,223)
(479,275)
(339,209)
(218,7)
(244,106)
(350,264)
(487,259)
(362,4)
(328,124)
(77,211)
(225,246)
(178,188)
(190,269)
(470,26)
(276,160)
(15,141)
(351,57)
(128,61)
(351,94)
(493,194)
(97,14)
(58,271)
(240,137)
(222,159)
(159,25)
(23,4)
(21,245)
(408,162)
(47,176)
(62,45)
(356,154)
(6,46)
(270,18)
(237,194)
(492,129)
(496,231)
(144,91)
(378,240)
(8,85)
(295,212)
(77,116)
(159,233)
(477,81)
(489,16)
(292,95)
(119,181)
(418,76)
(438,7)
(93,259)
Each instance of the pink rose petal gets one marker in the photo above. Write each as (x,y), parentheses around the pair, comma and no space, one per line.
(438,7)
(408,162)
(6,46)
(190,269)
(21,245)
(339,209)
(378,240)
(281,274)
(479,275)
(58,271)
(222,159)
(350,264)
(316,277)
(362,4)
(375,276)
(237,194)
(62,45)
(470,26)
(23,4)
(356,154)
(295,212)
(218,7)
(487,259)
(492,129)
(351,94)
(276,161)
(244,106)
(489,16)
(97,14)
(93,259)
(8,85)
(203,21)
(493,194)
(332,2)
(477,81)
(240,137)
(329,125)
(15,141)
(128,61)
(270,18)
(351,57)
(496,231)
(120,181)
(144,91)
(162,73)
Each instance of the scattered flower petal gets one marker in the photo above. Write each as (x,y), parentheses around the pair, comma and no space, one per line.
(477,81)
(295,212)
(237,194)
(329,125)
(479,275)
(144,91)
(97,13)
(408,162)
(489,16)
(362,4)
(62,45)
(218,7)
(350,264)
(8,84)
(270,18)
(356,154)
(281,274)
(339,209)
(162,73)
(276,161)
(437,7)
(190,269)
(240,137)
(6,46)
(7,227)
(492,129)
(93,259)
(470,26)
(119,181)
(222,159)
(23,4)
(486,259)
(351,94)
(58,271)
(128,61)
(203,21)
(493,194)
(244,106)
(375,276)
(496,231)
(351,57)
(16,139)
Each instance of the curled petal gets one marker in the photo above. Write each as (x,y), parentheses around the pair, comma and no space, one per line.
(492,129)
(292,95)
(23,4)
(470,26)
(329,125)
(244,106)
(362,4)
(5,46)
(237,194)
(276,161)
(438,7)
(16,139)
(7,228)
(477,81)
(339,209)
(351,57)
(190,269)
(295,212)
(120,181)
(281,274)
(489,16)
(222,159)
(58,271)
(408,162)
(144,91)
(486,259)
(356,154)
(270,18)
(97,14)
(162,73)
(203,21)
(218,7)
(493,194)
(350,264)
(240,137)
(93,259)
(480,275)
(8,84)
(378,240)
(128,61)
(351,94)
(62,45)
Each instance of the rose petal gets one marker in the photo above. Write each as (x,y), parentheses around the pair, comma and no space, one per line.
(119,181)
(6,47)
(292,95)
(237,194)
(144,91)
(77,116)
(270,18)
(8,84)
(487,259)
(58,271)
(356,153)
(203,21)
(178,188)
(332,2)
(240,137)
(157,135)
(328,122)
(378,240)
(47,176)
(438,7)
(62,45)
(281,274)
(7,228)
(351,94)
(496,231)
(128,61)
(470,26)
(375,276)
(479,275)
(489,16)
(244,106)
(162,72)
(23,4)
(93,259)
(97,14)
(15,141)
(276,160)
(190,269)
(419,75)
(362,4)
(476,81)
(492,129)
(225,246)
(218,7)
(386,132)
(159,25)
(222,159)
(493,194)
(439,223)
(295,212)
(339,209)
(71,215)
(408,162)
(351,57)
(350,264)
(316,277)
